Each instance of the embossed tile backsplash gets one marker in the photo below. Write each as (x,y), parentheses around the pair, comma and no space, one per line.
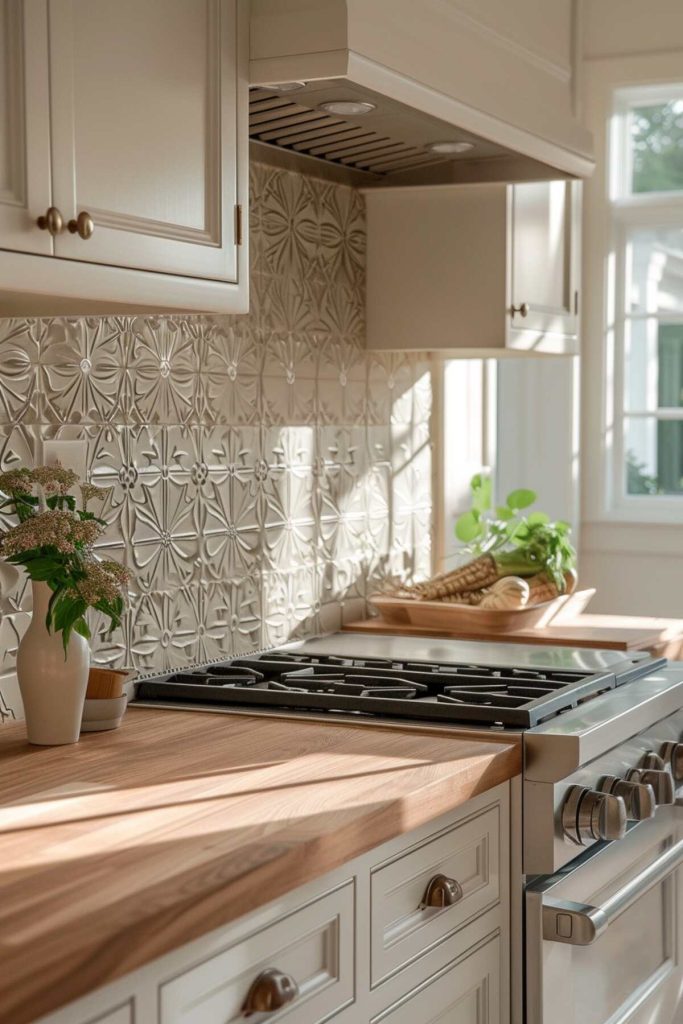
(265,472)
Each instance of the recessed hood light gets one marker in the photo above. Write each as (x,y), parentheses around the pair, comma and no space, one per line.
(285,86)
(343,107)
(450,147)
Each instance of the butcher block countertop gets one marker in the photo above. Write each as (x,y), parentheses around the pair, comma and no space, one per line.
(131,843)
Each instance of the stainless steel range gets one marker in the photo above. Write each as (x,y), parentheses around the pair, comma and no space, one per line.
(598,833)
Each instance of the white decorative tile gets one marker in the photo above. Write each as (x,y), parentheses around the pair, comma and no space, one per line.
(20,378)
(11,707)
(264,472)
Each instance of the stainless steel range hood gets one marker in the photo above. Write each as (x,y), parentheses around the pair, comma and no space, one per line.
(389,145)
(427,74)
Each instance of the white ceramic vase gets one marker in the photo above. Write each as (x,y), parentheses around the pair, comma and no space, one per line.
(52,687)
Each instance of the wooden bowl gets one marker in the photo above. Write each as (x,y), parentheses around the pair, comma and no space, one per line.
(461,618)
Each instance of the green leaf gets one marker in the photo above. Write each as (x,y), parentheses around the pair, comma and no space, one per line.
(81,626)
(537,519)
(520,498)
(480,486)
(503,512)
(468,527)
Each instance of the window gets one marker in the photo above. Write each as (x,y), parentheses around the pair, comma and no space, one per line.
(645,321)
(466,425)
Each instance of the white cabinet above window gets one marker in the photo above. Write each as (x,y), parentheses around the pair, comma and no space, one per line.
(474,270)
(123,155)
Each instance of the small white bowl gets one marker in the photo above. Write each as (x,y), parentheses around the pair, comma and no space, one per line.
(99,715)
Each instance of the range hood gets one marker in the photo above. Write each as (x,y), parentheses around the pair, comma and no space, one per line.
(423,74)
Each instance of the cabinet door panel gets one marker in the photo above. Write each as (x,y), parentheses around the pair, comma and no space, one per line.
(24,129)
(313,945)
(141,92)
(467,993)
(543,256)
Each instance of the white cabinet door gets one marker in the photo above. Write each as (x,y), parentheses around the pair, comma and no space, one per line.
(467,993)
(24,129)
(312,948)
(544,257)
(144,132)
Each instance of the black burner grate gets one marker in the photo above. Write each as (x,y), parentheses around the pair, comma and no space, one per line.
(516,698)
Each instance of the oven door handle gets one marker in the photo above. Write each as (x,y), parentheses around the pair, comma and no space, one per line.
(580,924)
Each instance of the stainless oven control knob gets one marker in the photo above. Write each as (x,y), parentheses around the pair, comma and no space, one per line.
(588,815)
(661,781)
(672,754)
(654,761)
(638,797)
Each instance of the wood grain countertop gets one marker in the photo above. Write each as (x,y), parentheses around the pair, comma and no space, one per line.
(131,843)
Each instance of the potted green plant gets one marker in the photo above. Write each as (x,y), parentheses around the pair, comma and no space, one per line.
(53,538)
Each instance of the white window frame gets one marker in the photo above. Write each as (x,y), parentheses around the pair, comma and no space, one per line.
(613,87)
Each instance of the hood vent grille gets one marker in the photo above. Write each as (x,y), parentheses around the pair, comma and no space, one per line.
(279,121)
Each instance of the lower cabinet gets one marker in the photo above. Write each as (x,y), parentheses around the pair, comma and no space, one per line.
(414,932)
(122,1015)
(466,993)
(303,964)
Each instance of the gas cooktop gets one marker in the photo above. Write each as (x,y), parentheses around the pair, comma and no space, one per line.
(306,680)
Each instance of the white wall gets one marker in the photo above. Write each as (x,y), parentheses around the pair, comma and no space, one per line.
(636,567)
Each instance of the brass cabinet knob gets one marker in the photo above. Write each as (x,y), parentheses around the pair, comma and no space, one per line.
(83,226)
(51,221)
(523,309)
(442,892)
(270,991)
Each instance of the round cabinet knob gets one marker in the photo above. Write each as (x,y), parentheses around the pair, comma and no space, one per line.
(270,991)
(672,754)
(661,781)
(638,797)
(442,892)
(523,309)
(51,221)
(588,815)
(83,226)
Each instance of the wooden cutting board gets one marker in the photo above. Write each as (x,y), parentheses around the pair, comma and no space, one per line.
(661,637)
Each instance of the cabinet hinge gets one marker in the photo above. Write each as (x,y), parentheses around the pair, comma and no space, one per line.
(238,224)
(576,303)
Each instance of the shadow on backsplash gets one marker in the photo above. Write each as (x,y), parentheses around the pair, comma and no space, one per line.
(265,473)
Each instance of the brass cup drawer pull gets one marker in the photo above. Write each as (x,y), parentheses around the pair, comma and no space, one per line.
(522,309)
(83,225)
(270,991)
(442,892)
(51,221)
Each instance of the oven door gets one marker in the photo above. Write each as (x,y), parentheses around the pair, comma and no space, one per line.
(604,937)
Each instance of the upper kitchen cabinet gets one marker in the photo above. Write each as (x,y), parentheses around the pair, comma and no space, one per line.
(24,126)
(123,155)
(463,72)
(474,270)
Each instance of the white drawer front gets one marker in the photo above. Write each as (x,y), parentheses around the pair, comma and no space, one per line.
(314,946)
(124,1015)
(121,1015)
(467,993)
(402,929)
